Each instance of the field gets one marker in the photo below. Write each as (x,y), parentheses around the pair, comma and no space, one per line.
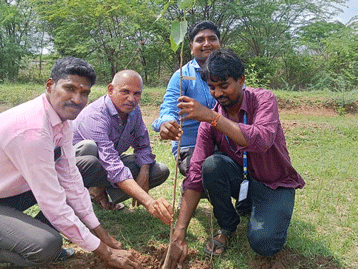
(321,130)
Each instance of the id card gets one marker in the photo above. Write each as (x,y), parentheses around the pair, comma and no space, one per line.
(244,189)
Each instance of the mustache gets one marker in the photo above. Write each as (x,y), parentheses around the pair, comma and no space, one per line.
(221,98)
(74,105)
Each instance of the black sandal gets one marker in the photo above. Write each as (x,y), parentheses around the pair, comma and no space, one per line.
(217,244)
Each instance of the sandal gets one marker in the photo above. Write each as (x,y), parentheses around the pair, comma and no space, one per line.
(217,244)
(102,201)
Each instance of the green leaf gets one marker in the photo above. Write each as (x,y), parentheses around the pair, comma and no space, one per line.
(173,45)
(183,4)
(179,30)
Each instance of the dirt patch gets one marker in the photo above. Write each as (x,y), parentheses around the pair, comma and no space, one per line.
(4,107)
(150,258)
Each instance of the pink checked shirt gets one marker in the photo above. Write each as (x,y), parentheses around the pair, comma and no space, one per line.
(29,134)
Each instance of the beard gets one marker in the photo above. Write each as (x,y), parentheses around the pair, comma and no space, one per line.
(226,102)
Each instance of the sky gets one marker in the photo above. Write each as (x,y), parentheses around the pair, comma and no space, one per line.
(350,11)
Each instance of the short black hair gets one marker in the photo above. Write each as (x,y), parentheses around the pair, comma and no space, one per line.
(222,64)
(200,26)
(72,66)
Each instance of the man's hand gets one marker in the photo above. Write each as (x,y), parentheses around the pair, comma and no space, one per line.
(117,258)
(102,234)
(170,130)
(194,110)
(178,252)
(143,182)
(162,210)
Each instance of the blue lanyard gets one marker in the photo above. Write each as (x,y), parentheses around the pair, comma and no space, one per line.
(244,158)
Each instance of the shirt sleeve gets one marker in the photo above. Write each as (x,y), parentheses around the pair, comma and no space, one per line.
(32,153)
(71,180)
(204,148)
(97,127)
(261,132)
(169,109)
(141,144)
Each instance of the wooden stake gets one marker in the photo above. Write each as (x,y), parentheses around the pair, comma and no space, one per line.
(166,261)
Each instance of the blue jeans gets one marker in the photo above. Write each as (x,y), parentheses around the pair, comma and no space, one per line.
(271,210)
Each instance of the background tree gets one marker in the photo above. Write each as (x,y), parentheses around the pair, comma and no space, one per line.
(17,32)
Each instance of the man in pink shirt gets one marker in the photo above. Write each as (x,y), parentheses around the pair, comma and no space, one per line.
(37,164)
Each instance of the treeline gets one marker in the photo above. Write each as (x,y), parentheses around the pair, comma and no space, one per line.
(287,44)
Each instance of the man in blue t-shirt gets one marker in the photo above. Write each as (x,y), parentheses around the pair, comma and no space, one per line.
(204,38)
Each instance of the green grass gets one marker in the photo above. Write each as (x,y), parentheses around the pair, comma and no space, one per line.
(323,149)
(13,94)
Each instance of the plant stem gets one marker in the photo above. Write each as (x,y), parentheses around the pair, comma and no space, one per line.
(166,261)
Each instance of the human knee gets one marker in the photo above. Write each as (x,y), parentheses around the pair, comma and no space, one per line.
(46,249)
(211,169)
(159,174)
(264,243)
(86,147)
(211,166)
(164,172)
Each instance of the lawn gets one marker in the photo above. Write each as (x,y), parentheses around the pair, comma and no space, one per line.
(322,138)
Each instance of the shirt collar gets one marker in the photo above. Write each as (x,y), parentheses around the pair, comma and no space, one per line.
(196,65)
(109,104)
(111,108)
(244,100)
(54,118)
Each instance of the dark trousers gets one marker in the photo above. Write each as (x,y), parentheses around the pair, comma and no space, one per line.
(26,241)
(94,175)
(184,160)
(271,210)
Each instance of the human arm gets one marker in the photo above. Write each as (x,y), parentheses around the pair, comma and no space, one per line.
(159,208)
(179,249)
(168,109)
(194,110)
(143,181)
(34,159)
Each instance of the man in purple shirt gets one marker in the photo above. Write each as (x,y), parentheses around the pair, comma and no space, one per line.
(37,165)
(244,120)
(102,132)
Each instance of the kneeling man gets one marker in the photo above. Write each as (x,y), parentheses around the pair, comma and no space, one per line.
(103,131)
(254,167)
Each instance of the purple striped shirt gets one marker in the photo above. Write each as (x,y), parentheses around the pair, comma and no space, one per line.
(268,158)
(100,122)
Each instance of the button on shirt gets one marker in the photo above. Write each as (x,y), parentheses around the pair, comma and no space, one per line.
(29,135)
(100,122)
(196,89)
(268,158)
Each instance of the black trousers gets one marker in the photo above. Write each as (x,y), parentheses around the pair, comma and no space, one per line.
(94,175)
(26,241)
